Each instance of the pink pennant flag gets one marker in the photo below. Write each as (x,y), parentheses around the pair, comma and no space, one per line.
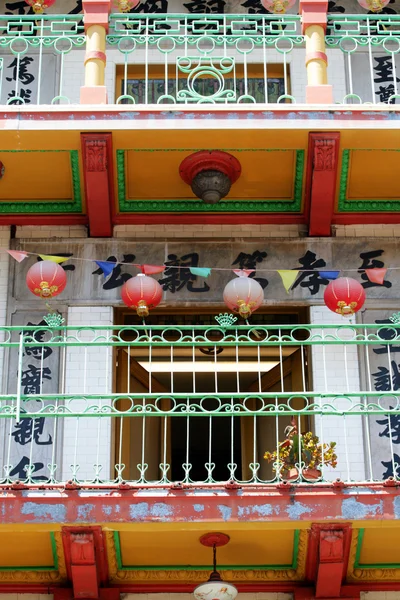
(152,269)
(376,275)
(18,255)
(243,272)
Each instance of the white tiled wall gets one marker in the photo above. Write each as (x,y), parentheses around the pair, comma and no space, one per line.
(368,231)
(342,366)
(380,595)
(209,231)
(87,441)
(4,282)
(26,596)
(51,232)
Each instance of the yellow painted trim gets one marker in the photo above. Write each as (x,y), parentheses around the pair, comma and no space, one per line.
(366,574)
(24,576)
(193,576)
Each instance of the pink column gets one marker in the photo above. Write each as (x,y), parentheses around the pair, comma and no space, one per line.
(96,15)
(314,20)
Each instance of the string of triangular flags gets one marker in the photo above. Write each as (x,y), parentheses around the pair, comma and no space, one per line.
(288,276)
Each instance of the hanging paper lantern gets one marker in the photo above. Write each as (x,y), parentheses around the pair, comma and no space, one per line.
(125,6)
(46,279)
(141,293)
(40,5)
(278,7)
(344,296)
(373,5)
(243,295)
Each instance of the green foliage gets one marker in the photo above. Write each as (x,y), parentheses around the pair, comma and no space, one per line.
(301,450)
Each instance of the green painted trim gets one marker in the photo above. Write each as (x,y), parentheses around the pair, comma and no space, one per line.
(117,544)
(50,206)
(54,567)
(296,542)
(191,205)
(122,567)
(54,550)
(362,205)
(358,565)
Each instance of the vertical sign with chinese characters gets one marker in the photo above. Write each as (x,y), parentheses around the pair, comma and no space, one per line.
(382,368)
(29,447)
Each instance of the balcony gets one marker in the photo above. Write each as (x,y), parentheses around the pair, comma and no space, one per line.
(186,60)
(197,406)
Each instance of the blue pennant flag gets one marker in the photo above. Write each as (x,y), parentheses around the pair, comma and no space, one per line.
(329,274)
(106,267)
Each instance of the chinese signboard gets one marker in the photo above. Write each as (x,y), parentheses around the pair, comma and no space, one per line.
(87,283)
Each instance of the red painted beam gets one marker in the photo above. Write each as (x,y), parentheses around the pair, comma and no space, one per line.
(85,559)
(322,167)
(376,502)
(34,220)
(328,557)
(214,219)
(97,167)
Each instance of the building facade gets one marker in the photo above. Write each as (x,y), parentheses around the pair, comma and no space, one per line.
(199,143)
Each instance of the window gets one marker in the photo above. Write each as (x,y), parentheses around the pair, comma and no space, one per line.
(201,448)
(228,88)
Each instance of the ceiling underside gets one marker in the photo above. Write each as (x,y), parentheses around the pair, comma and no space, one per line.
(44,173)
(161,553)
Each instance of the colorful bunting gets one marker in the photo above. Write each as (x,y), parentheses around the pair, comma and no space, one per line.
(243,272)
(329,274)
(376,275)
(56,259)
(200,272)
(18,255)
(288,278)
(106,267)
(152,269)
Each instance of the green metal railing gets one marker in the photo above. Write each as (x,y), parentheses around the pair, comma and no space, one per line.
(371,45)
(34,52)
(197,404)
(204,58)
(198,58)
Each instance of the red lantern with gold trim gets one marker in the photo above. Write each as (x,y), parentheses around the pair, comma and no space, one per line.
(344,296)
(142,293)
(46,279)
(279,7)
(125,6)
(39,6)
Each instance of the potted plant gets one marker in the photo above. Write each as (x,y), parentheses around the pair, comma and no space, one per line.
(303,451)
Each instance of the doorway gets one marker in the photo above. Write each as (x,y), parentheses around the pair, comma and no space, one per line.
(196,448)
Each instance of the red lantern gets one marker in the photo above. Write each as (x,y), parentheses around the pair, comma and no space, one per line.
(40,5)
(141,293)
(243,295)
(46,279)
(373,5)
(279,7)
(344,296)
(125,6)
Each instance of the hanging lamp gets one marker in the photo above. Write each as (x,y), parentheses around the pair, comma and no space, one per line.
(215,588)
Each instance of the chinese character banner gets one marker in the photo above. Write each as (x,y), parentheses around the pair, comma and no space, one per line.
(96,271)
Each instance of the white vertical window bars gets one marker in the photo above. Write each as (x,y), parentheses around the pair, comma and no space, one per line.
(367,435)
